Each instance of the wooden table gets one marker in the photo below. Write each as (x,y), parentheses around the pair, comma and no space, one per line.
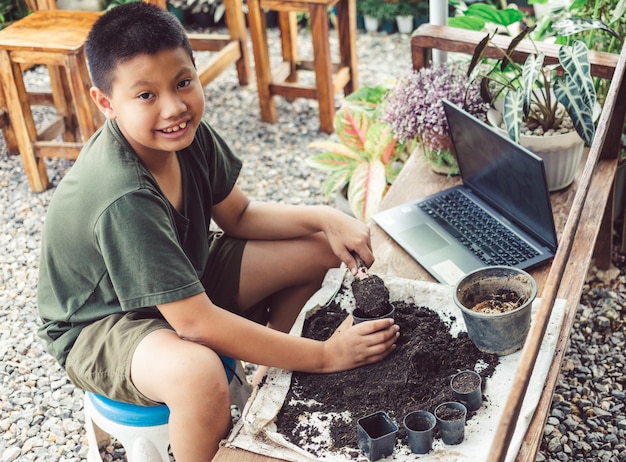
(583,221)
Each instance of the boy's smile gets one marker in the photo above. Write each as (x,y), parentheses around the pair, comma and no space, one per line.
(157,101)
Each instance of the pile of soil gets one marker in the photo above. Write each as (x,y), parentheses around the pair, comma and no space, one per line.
(415,376)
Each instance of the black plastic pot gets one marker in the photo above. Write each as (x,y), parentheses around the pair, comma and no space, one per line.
(466,387)
(420,428)
(498,333)
(360,317)
(376,435)
(450,418)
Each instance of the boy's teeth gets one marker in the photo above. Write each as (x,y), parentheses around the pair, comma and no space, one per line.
(175,129)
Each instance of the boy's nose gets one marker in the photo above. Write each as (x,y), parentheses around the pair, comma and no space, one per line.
(172,105)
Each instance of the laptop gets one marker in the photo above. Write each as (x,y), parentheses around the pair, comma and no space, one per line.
(500,214)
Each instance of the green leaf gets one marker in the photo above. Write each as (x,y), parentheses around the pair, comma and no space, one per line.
(530,72)
(467,23)
(513,45)
(575,62)
(574,25)
(619,11)
(512,113)
(335,159)
(566,91)
(489,13)
(351,127)
(380,143)
(335,181)
(478,53)
(366,190)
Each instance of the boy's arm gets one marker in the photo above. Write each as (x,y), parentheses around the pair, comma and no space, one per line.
(198,319)
(242,218)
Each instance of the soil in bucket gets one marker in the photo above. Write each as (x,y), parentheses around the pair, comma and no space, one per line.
(501,301)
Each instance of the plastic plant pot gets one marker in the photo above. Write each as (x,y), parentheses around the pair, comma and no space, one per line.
(359,318)
(420,427)
(450,418)
(376,435)
(466,387)
(497,333)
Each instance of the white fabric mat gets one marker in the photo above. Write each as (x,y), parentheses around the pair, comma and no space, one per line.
(256,431)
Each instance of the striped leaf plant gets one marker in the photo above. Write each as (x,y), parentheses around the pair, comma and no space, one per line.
(532,92)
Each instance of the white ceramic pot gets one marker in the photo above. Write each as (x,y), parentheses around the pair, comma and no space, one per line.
(405,24)
(561,153)
(371,23)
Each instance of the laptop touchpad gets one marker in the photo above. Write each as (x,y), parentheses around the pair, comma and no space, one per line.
(422,239)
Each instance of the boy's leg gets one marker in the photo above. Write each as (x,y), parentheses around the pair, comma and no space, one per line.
(284,275)
(191,380)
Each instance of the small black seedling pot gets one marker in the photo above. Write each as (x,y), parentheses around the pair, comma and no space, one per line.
(466,387)
(376,435)
(420,427)
(451,422)
(359,317)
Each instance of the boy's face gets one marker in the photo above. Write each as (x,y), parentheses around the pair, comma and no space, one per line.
(157,100)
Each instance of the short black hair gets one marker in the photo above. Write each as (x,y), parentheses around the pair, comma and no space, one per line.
(129,30)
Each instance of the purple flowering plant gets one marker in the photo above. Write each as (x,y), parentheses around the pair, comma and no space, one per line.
(414,109)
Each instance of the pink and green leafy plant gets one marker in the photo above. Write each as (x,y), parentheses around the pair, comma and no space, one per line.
(367,157)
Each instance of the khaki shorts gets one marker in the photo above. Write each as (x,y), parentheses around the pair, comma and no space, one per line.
(100,359)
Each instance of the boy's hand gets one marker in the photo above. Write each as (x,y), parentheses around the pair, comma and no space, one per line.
(352,346)
(349,238)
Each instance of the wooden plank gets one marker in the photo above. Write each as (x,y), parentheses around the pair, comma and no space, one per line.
(323,69)
(429,36)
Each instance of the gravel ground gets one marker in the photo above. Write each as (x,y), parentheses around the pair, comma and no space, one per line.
(41,412)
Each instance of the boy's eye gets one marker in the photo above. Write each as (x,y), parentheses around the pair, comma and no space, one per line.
(184,83)
(145,95)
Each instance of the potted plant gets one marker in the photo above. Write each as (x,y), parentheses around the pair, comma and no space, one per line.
(414,110)
(206,13)
(535,99)
(12,10)
(371,14)
(367,157)
(405,16)
(388,12)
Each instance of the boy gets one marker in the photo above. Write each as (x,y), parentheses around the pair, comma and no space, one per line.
(137,297)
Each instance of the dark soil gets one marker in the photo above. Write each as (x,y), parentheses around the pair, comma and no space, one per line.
(415,376)
(448,413)
(465,382)
(371,296)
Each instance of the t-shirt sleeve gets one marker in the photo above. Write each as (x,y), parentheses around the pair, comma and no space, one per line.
(144,259)
(221,165)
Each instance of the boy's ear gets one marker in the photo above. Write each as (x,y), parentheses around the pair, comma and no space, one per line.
(102,102)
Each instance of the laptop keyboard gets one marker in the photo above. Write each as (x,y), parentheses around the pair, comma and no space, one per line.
(481,233)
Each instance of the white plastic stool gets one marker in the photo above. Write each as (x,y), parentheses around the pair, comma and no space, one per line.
(142,430)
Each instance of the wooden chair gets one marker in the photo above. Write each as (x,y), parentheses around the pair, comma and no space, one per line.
(330,77)
(55,38)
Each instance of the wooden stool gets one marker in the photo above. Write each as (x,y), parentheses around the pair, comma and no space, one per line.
(329,77)
(54,38)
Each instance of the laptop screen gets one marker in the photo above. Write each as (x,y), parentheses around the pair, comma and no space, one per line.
(502,173)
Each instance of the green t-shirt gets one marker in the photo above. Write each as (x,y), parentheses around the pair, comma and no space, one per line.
(113,243)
